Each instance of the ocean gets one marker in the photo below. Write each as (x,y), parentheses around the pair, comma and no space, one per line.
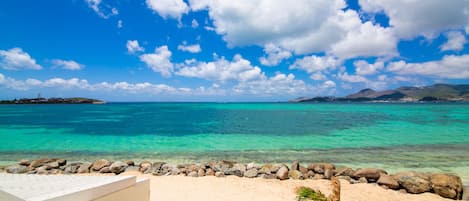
(423,137)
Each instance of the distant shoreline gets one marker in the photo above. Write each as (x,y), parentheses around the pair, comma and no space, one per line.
(40,100)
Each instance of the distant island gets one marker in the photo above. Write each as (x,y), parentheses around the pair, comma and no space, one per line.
(40,100)
(434,93)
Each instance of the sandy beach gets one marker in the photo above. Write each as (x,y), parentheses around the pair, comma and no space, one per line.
(232,188)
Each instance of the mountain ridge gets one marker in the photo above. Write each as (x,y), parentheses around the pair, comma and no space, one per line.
(432,93)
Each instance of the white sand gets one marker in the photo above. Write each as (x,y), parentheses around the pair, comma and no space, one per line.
(232,188)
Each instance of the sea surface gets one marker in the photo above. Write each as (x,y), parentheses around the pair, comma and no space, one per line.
(424,137)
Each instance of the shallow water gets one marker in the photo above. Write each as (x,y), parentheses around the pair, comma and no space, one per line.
(429,137)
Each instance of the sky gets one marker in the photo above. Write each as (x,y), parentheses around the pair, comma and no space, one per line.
(218,50)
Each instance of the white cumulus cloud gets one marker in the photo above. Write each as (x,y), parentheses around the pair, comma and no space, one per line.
(168,8)
(411,18)
(239,69)
(17,59)
(313,63)
(160,61)
(103,10)
(456,41)
(134,47)
(189,48)
(67,64)
(362,67)
(451,66)
(275,55)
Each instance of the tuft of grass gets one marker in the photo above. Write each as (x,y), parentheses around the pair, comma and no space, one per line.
(305,193)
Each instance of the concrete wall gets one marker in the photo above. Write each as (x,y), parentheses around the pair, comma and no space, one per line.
(138,192)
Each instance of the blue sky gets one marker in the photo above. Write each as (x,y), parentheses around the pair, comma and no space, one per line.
(245,50)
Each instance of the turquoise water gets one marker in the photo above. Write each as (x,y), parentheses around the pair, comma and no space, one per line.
(433,137)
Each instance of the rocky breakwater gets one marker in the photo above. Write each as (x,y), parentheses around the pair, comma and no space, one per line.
(445,185)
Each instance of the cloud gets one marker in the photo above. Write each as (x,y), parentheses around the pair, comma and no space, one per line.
(189,48)
(406,19)
(103,10)
(220,69)
(68,65)
(168,8)
(119,24)
(312,64)
(362,67)
(364,40)
(160,61)
(275,55)
(456,41)
(82,84)
(17,59)
(351,78)
(451,66)
(318,76)
(278,84)
(194,24)
(133,47)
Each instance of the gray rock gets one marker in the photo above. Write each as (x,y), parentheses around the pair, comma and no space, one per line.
(193,174)
(99,164)
(251,173)
(239,166)
(52,165)
(41,162)
(17,169)
(388,181)
(318,176)
(84,168)
(345,172)
(362,180)
(209,172)
(413,182)
(251,166)
(268,176)
(55,171)
(372,174)
(61,161)
(72,168)
(132,169)
(42,170)
(130,162)
(223,166)
(295,174)
(328,173)
(145,167)
(310,174)
(448,186)
(24,162)
(118,167)
(282,173)
(201,172)
(295,165)
(219,174)
(233,171)
(105,170)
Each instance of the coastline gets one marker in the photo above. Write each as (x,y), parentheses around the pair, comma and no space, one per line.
(411,182)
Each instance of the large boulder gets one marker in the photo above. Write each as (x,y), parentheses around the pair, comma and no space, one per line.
(295,165)
(282,173)
(17,169)
(388,181)
(118,167)
(72,168)
(413,182)
(84,168)
(269,168)
(100,164)
(24,162)
(371,174)
(223,166)
(320,167)
(145,167)
(41,162)
(346,171)
(251,173)
(446,185)
(296,174)
(130,162)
